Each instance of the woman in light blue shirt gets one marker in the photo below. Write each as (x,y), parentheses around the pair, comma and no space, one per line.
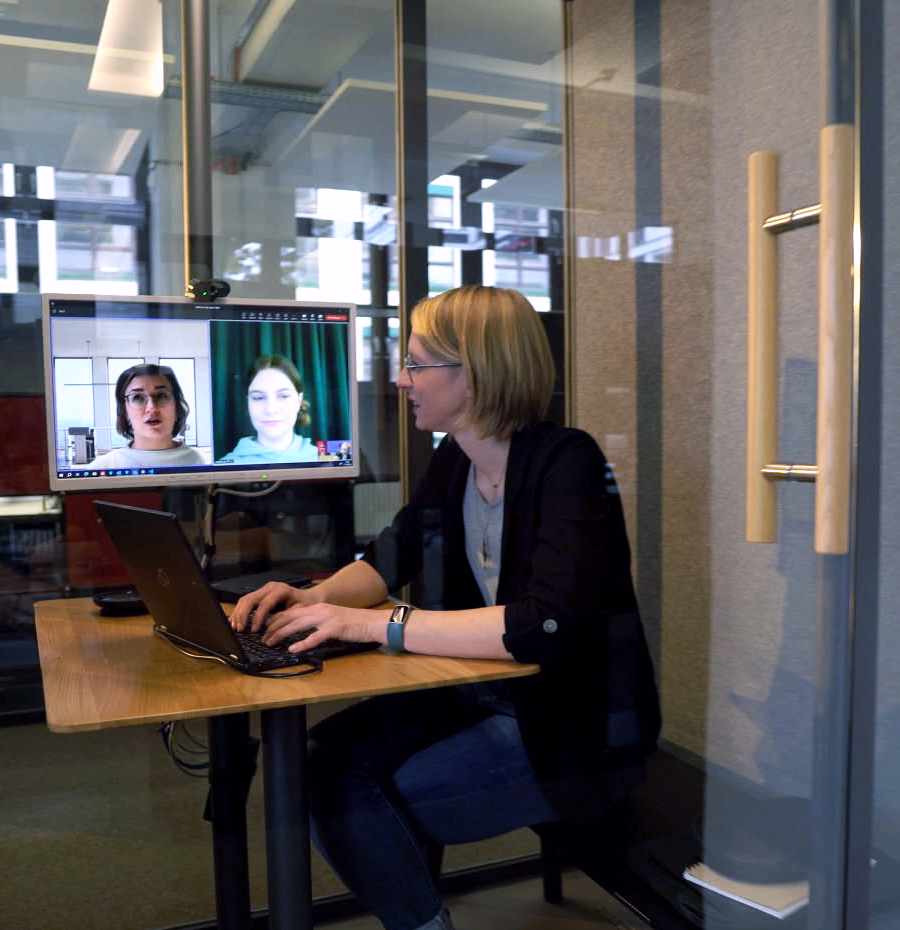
(276,407)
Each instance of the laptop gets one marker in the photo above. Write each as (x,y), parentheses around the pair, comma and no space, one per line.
(184,605)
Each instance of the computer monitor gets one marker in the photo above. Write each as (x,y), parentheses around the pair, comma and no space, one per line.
(153,391)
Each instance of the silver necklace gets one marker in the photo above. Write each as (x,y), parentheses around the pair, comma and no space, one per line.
(494,484)
(486,519)
(487,510)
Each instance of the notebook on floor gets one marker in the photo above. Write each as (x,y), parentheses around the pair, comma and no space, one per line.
(184,606)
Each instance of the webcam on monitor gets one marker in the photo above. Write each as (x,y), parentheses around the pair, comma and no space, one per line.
(202,289)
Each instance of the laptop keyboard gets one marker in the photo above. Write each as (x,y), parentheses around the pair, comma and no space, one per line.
(278,656)
(273,656)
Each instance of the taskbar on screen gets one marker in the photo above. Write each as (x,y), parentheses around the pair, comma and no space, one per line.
(115,472)
(75,473)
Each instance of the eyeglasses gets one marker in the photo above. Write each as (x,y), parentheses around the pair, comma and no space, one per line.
(139,399)
(412,366)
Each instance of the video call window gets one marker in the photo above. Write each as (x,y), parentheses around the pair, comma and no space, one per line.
(282,374)
(296,368)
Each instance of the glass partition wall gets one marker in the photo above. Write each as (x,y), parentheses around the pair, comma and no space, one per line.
(305,204)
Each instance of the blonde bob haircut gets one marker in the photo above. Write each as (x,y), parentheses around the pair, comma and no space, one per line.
(501,342)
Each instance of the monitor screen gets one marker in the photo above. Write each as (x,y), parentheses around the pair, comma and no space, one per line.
(148,391)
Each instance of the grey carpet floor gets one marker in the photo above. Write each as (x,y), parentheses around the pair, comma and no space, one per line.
(100,830)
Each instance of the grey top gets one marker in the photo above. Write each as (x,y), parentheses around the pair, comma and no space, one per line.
(484,531)
(129,457)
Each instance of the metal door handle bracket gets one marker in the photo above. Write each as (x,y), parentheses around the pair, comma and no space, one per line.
(777,472)
(785,222)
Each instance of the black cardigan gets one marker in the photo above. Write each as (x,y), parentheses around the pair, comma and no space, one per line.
(592,711)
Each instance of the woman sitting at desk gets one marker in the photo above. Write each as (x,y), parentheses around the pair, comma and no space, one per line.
(276,407)
(150,412)
(524,520)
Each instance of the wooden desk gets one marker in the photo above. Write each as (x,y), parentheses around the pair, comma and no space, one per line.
(104,672)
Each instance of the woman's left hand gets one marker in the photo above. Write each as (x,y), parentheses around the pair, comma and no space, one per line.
(329,621)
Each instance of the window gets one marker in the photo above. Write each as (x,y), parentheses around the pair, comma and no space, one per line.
(444,268)
(516,261)
(9,271)
(88,252)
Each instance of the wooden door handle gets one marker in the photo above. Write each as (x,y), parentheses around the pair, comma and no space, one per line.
(836,264)
(835,349)
(762,346)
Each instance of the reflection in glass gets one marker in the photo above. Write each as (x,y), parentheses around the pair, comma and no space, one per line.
(9,272)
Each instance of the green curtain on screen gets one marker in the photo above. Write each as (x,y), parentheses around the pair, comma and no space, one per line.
(318,350)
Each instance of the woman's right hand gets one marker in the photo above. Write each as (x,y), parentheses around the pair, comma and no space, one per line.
(258,606)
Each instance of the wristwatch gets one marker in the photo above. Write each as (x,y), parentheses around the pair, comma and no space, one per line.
(399,616)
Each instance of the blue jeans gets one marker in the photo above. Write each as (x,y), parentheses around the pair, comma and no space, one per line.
(395,778)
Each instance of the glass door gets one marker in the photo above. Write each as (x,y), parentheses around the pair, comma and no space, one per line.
(716,340)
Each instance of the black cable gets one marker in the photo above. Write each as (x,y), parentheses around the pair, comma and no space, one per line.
(207,519)
(178,750)
(268,489)
(315,665)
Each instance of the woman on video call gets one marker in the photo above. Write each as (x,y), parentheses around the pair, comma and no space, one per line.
(150,412)
(535,567)
(276,407)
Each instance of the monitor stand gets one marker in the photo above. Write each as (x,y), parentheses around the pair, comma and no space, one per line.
(230,590)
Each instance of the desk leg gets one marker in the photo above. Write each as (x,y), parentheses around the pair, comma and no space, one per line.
(287,818)
(227,754)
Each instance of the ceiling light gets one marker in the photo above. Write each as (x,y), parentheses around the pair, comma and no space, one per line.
(129,56)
